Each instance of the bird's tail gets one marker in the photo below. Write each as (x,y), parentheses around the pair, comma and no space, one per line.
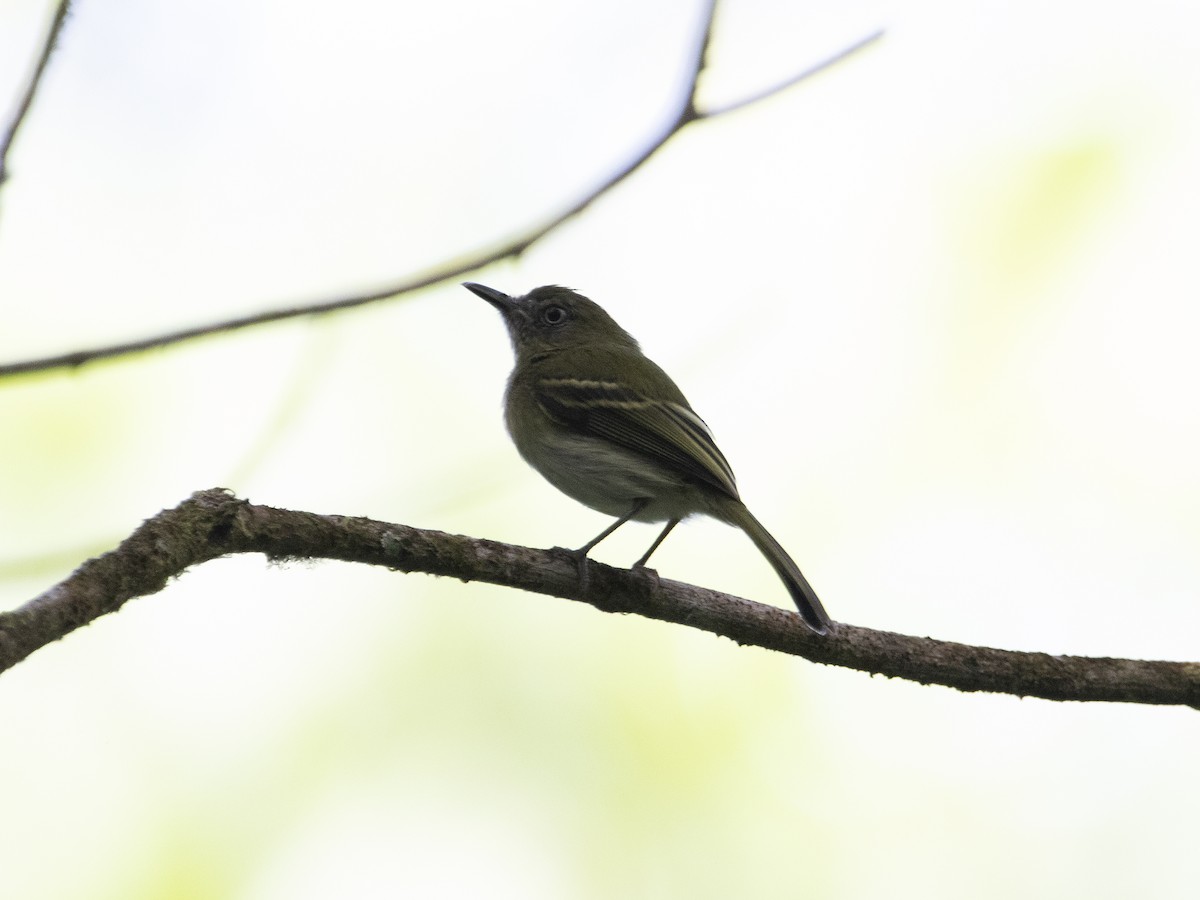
(805,597)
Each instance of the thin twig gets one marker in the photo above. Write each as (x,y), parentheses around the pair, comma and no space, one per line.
(688,111)
(214,523)
(456,268)
(805,75)
(35,80)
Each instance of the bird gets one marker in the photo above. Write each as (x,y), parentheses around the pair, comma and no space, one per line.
(609,428)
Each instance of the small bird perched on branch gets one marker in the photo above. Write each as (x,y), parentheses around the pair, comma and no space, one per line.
(609,428)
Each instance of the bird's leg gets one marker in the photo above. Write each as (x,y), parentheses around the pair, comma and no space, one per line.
(581,554)
(658,540)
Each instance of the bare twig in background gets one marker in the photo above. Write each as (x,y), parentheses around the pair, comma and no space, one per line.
(214,523)
(461,264)
(35,79)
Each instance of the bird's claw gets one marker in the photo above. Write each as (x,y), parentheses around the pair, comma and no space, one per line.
(580,558)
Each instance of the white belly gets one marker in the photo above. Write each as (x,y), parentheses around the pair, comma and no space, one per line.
(610,479)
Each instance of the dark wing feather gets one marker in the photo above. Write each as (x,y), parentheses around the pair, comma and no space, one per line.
(667,432)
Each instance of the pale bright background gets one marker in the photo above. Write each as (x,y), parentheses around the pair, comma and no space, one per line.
(939,306)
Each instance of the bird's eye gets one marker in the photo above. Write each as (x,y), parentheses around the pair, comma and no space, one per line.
(554,315)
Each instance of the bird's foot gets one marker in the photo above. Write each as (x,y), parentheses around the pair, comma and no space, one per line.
(580,558)
(640,570)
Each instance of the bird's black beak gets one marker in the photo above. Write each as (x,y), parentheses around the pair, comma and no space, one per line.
(498,299)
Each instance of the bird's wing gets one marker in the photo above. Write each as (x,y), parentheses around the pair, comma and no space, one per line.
(663,430)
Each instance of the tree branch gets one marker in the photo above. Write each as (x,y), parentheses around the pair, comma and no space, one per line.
(214,523)
(35,80)
(456,268)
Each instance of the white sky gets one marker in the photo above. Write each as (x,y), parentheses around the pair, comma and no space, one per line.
(938,306)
